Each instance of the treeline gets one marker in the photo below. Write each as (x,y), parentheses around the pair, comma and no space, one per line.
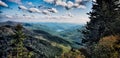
(102,33)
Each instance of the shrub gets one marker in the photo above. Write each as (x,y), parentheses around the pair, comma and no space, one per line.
(72,54)
(108,47)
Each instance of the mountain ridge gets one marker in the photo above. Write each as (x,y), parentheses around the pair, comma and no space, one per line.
(40,47)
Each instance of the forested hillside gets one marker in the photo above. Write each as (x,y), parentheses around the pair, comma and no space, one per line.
(19,42)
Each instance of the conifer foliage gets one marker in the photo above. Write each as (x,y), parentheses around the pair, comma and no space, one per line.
(104,20)
(18,50)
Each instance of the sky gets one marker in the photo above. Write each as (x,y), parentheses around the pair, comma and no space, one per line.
(61,11)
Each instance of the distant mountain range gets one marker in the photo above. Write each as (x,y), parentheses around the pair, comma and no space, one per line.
(42,38)
(68,31)
(41,43)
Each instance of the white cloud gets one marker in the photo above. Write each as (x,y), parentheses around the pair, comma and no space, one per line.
(76,5)
(64,17)
(30,4)
(53,10)
(46,12)
(79,6)
(69,4)
(82,6)
(9,16)
(16,1)
(28,17)
(22,7)
(38,18)
(34,10)
(94,0)
(57,2)
(3,4)
(78,1)
(61,3)
(49,1)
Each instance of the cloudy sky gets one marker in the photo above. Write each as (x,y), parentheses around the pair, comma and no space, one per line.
(62,11)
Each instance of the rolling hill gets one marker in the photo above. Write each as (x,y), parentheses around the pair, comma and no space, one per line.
(67,31)
(41,43)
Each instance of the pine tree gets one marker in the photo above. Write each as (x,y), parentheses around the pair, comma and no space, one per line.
(104,20)
(19,51)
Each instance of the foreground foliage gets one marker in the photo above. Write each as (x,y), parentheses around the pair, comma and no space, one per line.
(107,47)
(72,54)
(101,36)
(104,20)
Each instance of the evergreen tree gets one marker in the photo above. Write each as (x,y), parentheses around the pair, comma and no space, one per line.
(104,20)
(19,51)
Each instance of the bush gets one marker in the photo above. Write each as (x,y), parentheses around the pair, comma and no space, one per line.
(72,54)
(108,47)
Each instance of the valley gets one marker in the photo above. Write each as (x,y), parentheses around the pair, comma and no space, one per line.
(67,31)
(40,39)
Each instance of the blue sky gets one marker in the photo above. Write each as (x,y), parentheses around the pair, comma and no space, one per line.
(66,11)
